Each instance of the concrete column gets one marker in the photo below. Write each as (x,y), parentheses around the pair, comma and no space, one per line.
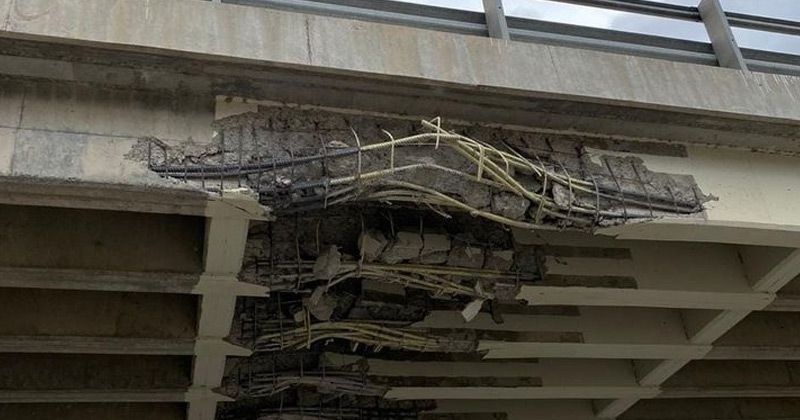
(226,235)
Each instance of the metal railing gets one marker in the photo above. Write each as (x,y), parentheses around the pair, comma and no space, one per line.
(722,51)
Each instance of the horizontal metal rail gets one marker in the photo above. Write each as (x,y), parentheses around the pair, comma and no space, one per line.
(406,14)
(643,7)
(763,23)
(576,36)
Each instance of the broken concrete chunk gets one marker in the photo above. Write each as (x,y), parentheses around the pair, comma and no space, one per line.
(439,257)
(501,260)
(510,205)
(562,196)
(299,316)
(371,243)
(505,291)
(327,264)
(433,243)
(526,260)
(405,246)
(466,256)
(472,310)
(320,304)
(383,288)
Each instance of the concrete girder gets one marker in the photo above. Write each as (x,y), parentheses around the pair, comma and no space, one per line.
(522,409)
(121,281)
(89,395)
(767,269)
(560,378)
(118,197)
(756,201)
(595,333)
(315,43)
(695,276)
(112,345)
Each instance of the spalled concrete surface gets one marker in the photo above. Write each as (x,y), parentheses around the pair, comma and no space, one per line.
(720,408)
(77,114)
(757,198)
(227,32)
(77,132)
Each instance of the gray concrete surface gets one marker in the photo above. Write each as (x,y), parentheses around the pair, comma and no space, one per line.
(260,36)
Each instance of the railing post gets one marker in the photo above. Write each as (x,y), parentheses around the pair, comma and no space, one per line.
(719,32)
(496,19)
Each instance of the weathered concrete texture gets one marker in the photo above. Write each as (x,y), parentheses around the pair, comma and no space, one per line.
(731,373)
(715,408)
(79,132)
(94,411)
(101,314)
(288,133)
(758,201)
(764,329)
(229,32)
(522,410)
(71,371)
(90,239)
(105,68)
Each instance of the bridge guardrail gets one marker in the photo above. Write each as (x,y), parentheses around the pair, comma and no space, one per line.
(722,51)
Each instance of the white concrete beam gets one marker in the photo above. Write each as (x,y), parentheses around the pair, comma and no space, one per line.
(123,281)
(756,201)
(107,396)
(767,270)
(522,409)
(763,391)
(111,345)
(560,378)
(601,333)
(25,191)
(694,276)
(753,353)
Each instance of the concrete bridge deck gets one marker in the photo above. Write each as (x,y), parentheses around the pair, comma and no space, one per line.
(123,291)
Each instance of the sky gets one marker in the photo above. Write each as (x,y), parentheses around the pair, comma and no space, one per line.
(653,25)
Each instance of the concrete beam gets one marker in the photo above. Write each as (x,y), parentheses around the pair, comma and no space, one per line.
(122,281)
(717,408)
(315,43)
(744,352)
(767,269)
(696,276)
(110,345)
(755,199)
(732,392)
(595,333)
(557,379)
(106,396)
(521,409)
(27,191)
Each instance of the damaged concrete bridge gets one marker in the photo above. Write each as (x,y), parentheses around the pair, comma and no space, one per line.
(373,210)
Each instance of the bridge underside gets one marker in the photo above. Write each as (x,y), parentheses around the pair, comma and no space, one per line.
(192,235)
